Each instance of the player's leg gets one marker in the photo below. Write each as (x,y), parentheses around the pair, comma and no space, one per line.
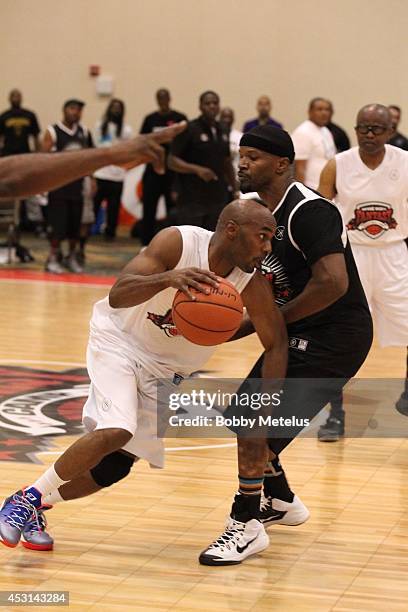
(333,429)
(57,215)
(110,416)
(152,189)
(391,305)
(112,213)
(73,233)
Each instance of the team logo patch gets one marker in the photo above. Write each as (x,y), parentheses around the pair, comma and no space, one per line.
(36,406)
(279,233)
(373,219)
(165,322)
(298,343)
(276,274)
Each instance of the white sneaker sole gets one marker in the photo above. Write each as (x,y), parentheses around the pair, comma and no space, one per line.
(260,544)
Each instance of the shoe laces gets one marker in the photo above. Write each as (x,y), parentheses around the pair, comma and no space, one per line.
(232,534)
(21,512)
(266,503)
(37,522)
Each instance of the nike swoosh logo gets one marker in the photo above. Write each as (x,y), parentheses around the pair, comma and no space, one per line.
(240,549)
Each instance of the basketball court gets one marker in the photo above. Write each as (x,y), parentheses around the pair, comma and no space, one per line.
(135,546)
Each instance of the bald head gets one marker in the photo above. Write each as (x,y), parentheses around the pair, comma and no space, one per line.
(375,113)
(246,212)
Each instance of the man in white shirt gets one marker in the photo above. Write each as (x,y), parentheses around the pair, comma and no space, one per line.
(227,118)
(370,187)
(314,143)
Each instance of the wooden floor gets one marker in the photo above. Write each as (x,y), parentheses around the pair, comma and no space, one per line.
(135,546)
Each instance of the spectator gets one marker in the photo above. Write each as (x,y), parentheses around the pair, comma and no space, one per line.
(109,179)
(227,119)
(154,184)
(341,140)
(397,139)
(19,130)
(65,203)
(314,143)
(17,126)
(202,158)
(264,108)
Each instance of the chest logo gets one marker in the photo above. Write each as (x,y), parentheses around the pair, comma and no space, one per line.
(165,322)
(279,233)
(373,219)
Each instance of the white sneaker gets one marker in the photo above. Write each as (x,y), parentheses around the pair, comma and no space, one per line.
(278,512)
(239,541)
(54,267)
(73,265)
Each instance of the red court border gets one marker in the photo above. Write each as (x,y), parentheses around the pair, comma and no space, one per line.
(77,279)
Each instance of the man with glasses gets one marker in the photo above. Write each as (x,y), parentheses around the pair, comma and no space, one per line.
(370,186)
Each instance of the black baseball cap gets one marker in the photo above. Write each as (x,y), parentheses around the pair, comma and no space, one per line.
(73,101)
(269,139)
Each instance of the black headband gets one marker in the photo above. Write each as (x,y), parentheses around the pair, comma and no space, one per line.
(271,140)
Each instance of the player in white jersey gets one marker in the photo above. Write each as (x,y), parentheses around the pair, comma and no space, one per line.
(370,186)
(133,343)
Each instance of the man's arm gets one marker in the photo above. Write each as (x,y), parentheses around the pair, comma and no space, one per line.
(329,282)
(153,271)
(327,184)
(269,325)
(24,175)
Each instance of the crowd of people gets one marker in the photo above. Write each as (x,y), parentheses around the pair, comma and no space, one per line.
(201,170)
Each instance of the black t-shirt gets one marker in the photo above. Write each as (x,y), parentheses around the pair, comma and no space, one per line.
(157,121)
(341,140)
(66,139)
(309,228)
(204,146)
(400,141)
(16,126)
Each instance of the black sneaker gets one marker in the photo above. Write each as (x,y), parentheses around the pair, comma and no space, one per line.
(332,430)
(402,404)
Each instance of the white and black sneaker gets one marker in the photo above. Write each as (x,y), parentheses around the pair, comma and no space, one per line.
(239,541)
(278,512)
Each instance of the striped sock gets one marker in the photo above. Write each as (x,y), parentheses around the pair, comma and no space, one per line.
(276,484)
(250,486)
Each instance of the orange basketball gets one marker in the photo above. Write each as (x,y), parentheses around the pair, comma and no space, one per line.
(211,318)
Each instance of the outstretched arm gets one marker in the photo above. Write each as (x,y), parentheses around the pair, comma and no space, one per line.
(23,175)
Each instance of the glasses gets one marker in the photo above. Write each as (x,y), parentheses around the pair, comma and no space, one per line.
(377,130)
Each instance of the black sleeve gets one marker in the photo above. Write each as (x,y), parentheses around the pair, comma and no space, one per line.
(35,128)
(317,229)
(180,144)
(2,124)
(146,127)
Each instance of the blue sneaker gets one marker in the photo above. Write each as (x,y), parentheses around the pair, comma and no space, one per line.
(35,536)
(16,512)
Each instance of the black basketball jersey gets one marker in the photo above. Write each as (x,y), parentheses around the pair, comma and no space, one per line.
(65,139)
(308,228)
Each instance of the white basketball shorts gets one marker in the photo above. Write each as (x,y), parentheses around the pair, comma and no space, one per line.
(383,272)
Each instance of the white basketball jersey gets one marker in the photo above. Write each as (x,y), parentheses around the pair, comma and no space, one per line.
(373,203)
(147,331)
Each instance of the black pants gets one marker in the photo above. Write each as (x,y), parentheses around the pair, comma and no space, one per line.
(111,192)
(320,364)
(64,218)
(154,186)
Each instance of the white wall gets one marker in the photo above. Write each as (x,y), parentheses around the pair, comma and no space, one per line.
(352,51)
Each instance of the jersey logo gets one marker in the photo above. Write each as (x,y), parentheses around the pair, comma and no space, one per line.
(279,232)
(165,322)
(276,274)
(373,219)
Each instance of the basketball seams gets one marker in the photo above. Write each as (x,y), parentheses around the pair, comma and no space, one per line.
(194,325)
(209,303)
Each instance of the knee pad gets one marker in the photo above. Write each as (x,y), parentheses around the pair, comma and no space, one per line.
(112,468)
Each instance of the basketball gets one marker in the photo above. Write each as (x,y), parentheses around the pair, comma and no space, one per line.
(211,318)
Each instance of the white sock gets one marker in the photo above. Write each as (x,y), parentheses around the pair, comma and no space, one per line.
(52,498)
(48,482)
